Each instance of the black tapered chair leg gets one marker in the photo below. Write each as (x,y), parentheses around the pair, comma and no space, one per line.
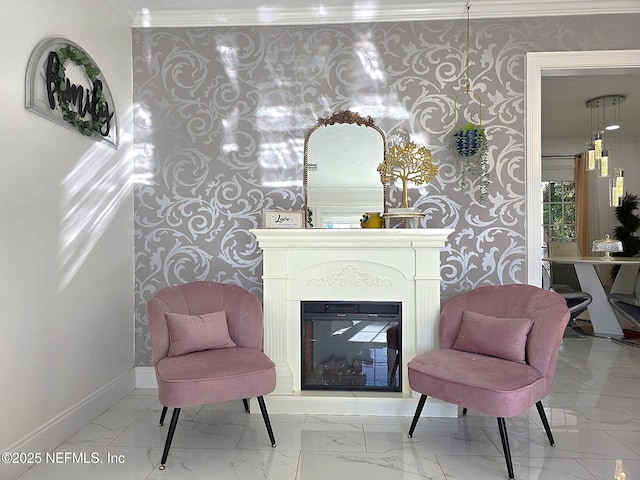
(505,446)
(167,444)
(416,416)
(545,423)
(265,416)
(246,405)
(162,415)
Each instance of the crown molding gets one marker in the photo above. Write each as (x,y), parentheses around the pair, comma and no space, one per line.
(317,14)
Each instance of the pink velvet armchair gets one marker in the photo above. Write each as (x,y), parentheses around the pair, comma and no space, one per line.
(206,341)
(497,354)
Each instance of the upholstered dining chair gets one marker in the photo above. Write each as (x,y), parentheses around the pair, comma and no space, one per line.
(497,354)
(576,301)
(206,342)
(563,275)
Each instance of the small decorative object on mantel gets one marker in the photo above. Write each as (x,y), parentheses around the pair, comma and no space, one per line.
(87,107)
(469,141)
(407,162)
(371,220)
(607,246)
(282,219)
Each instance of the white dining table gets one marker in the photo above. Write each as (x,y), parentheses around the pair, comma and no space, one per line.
(603,318)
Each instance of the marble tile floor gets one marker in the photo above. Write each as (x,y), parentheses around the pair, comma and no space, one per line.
(594,412)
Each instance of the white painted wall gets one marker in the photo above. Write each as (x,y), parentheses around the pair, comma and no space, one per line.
(66,348)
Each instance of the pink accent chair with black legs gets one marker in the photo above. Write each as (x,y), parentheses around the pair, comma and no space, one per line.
(497,354)
(206,341)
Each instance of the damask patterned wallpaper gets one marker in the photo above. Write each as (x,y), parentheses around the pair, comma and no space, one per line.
(221,114)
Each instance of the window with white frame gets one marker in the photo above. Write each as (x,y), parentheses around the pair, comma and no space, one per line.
(558,211)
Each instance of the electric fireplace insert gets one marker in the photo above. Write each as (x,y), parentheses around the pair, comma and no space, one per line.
(351,346)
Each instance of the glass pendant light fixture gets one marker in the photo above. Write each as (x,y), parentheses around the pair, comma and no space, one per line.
(591,149)
(591,157)
(600,105)
(617,187)
(604,164)
(597,144)
(614,123)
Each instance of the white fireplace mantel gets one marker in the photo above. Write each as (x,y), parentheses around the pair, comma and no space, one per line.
(349,265)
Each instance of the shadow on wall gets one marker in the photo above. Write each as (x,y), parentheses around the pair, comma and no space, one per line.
(92,194)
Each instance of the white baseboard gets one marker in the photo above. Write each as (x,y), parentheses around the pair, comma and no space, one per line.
(54,432)
(146,377)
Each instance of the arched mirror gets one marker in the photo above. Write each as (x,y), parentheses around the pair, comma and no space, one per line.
(341,181)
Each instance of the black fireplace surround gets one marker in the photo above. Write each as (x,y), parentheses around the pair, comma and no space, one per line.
(351,345)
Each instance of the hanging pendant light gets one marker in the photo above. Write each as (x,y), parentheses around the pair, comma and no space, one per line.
(591,149)
(617,187)
(597,145)
(591,157)
(604,164)
(614,199)
(599,104)
(614,124)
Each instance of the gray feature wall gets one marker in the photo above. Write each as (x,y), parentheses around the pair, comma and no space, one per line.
(220,115)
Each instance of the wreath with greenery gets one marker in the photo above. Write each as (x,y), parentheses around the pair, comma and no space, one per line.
(94,126)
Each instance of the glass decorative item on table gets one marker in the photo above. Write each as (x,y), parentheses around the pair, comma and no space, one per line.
(607,246)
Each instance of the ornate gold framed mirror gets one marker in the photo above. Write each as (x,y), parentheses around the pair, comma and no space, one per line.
(341,181)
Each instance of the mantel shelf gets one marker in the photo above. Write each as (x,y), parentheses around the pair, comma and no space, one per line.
(352,238)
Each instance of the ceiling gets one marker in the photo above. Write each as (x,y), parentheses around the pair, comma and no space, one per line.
(252,12)
(564,114)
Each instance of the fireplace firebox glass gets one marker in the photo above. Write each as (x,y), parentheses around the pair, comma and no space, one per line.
(351,345)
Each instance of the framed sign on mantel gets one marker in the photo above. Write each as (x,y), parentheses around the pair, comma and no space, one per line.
(64,85)
(282,219)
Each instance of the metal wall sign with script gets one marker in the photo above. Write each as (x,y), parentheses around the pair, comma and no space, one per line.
(83,104)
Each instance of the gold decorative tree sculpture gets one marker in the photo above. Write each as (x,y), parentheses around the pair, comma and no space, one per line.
(409,163)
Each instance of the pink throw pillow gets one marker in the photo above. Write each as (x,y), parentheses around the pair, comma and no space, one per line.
(504,338)
(193,333)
